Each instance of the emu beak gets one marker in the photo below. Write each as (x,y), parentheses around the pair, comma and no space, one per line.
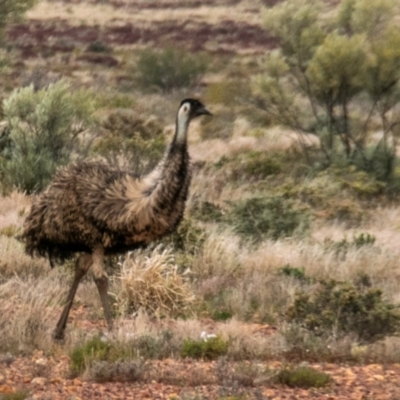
(203,111)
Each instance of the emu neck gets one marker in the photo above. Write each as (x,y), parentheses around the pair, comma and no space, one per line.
(181,129)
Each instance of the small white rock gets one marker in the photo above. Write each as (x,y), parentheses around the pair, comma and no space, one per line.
(39,381)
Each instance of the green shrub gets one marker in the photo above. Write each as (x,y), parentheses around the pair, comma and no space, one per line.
(253,165)
(189,237)
(342,247)
(169,69)
(9,231)
(19,395)
(95,349)
(206,211)
(342,308)
(43,133)
(297,273)
(302,377)
(259,218)
(98,47)
(209,349)
(132,140)
(12,11)
(330,77)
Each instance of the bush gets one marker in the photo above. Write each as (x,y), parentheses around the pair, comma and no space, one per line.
(119,371)
(12,10)
(98,350)
(336,75)
(206,212)
(18,395)
(82,356)
(259,218)
(131,141)
(43,133)
(342,308)
(303,377)
(209,349)
(169,69)
(251,165)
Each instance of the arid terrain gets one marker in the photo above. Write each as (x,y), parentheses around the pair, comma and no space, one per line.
(232,286)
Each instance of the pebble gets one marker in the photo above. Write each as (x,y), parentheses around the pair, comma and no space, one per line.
(39,381)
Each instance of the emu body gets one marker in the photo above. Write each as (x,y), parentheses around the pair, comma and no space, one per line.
(97,210)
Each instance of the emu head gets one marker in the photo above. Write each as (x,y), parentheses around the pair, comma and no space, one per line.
(192,108)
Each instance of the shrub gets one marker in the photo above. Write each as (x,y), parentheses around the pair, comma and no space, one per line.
(19,395)
(342,308)
(131,140)
(98,47)
(302,377)
(83,355)
(206,211)
(188,237)
(95,350)
(12,10)
(169,69)
(336,77)
(259,218)
(209,349)
(43,133)
(119,371)
(252,165)
(342,247)
(297,273)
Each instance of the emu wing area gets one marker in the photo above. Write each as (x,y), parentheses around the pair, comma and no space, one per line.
(81,208)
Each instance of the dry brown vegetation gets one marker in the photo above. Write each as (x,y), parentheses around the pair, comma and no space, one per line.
(210,278)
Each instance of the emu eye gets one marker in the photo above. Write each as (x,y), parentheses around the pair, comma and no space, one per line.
(185,109)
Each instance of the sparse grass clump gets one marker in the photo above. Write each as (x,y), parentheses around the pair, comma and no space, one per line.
(151,282)
(303,377)
(341,308)
(209,349)
(169,69)
(259,218)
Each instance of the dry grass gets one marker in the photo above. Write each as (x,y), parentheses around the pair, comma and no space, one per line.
(103,14)
(151,282)
(13,261)
(28,311)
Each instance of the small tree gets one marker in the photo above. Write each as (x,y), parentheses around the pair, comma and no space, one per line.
(337,77)
(43,133)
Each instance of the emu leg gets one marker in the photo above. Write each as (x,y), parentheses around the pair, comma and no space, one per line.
(101,280)
(102,287)
(81,267)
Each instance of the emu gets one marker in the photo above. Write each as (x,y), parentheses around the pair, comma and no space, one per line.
(96,210)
